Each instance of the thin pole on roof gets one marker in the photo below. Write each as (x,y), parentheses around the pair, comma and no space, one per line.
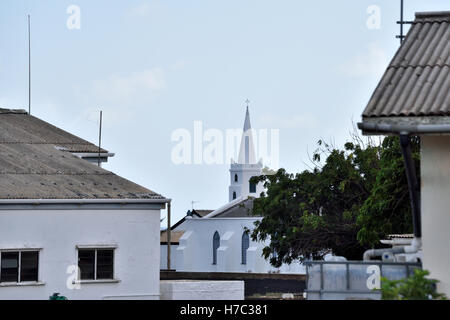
(99,138)
(29,65)
(169,236)
(401,23)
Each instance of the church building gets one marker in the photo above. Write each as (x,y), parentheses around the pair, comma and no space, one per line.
(217,241)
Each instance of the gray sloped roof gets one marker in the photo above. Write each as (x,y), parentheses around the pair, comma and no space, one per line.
(17,126)
(32,166)
(241,209)
(417,81)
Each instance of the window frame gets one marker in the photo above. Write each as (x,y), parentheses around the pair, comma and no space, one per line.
(95,249)
(19,266)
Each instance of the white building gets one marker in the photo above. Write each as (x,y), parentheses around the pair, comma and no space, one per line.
(68,226)
(217,241)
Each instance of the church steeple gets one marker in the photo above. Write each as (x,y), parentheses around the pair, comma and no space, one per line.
(247,148)
(246,166)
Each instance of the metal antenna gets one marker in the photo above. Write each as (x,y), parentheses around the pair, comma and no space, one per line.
(192,204)
(99,138)
(29,66)
(401,23)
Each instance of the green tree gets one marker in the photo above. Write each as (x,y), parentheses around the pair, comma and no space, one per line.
(335,205)
(388,209)
(415,287)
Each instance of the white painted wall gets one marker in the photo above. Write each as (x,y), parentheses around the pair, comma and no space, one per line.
(135,232)
(242,187)
(163,256)
(202,290)
(435,203)
(195,251)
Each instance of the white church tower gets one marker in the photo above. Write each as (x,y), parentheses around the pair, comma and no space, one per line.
(246,167)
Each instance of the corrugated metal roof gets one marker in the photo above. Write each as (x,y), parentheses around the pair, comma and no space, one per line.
(32,166)
(401,236)
(17,126)
(417,81)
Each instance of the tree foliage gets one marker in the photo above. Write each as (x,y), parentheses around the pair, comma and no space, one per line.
(345,203)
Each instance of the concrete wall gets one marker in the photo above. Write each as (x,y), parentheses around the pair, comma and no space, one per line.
(435,197)
(163,256)
(195,250)
(202,290)
(254,283)
(58,233)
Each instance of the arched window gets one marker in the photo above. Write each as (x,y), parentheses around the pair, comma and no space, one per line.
(235,178)
(234,195)
(245,246)
(216,245)
(252,187)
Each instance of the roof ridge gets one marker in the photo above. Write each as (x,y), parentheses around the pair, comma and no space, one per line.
(428,14)
(441,65)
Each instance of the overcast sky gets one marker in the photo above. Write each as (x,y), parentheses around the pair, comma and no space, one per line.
(153,67)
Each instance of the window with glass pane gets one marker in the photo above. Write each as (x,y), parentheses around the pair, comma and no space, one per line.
(105,260)
(12,261)
(10,267)
(29,265)
(86,263)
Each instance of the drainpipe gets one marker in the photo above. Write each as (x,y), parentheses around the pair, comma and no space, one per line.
(414,193)
(413,184)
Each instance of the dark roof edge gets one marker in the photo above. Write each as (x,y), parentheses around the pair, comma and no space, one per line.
(12,111)
(432,14)
(390,128)
(84,201)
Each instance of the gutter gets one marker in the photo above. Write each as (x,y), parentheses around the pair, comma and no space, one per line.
(93,154)
(381,128)
(82,201)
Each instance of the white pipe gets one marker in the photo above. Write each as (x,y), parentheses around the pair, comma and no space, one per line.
(397,242)
(415,246)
